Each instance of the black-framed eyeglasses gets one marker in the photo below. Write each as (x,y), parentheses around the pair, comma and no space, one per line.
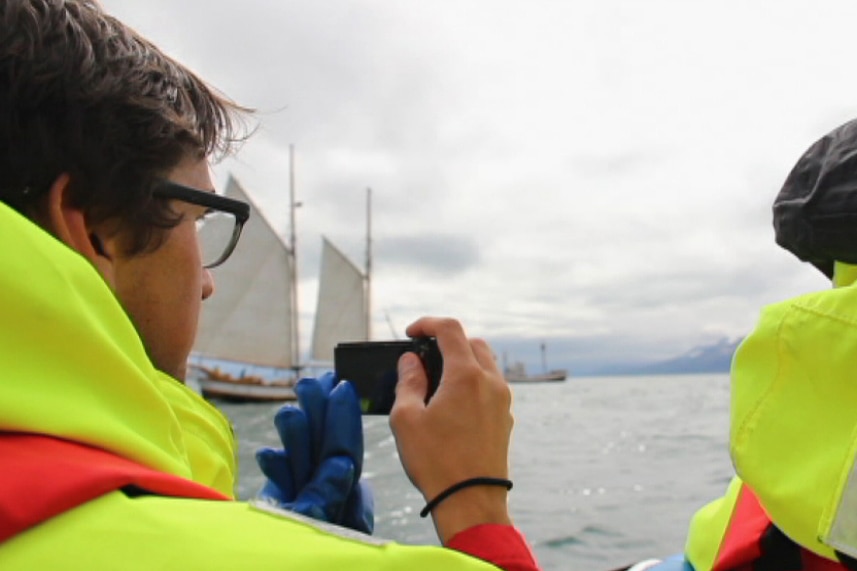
(219,228)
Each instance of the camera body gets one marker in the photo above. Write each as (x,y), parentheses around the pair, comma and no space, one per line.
(371,366)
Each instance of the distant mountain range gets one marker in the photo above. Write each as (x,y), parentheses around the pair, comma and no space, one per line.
(714,358)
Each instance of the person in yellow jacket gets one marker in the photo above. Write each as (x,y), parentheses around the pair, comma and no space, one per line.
(793,436)
(109,461)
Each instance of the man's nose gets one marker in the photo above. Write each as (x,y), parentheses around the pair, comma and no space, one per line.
(207,284)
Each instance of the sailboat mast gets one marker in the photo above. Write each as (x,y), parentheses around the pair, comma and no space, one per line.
(293,266)
(367,290)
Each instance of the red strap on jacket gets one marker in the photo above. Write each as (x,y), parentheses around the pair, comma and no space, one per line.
(743,547)
(746,527)
(502,545)
(44,476)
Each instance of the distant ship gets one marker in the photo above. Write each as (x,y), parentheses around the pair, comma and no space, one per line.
(516,372)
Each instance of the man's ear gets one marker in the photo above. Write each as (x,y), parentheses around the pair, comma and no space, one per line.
(68,224)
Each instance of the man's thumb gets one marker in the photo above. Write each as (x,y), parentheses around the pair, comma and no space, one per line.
(413,384)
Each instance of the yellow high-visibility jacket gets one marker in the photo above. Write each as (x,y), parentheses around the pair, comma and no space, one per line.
(793,436)
(73,367)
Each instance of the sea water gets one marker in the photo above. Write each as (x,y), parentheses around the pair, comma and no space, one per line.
(607,470)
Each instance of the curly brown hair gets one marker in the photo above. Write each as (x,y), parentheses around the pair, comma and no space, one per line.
(82,93)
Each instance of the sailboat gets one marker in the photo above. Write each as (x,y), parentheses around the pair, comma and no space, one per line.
(251,321)
(342,310)
(516,372)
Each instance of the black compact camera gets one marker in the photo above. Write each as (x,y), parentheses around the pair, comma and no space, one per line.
(371,368)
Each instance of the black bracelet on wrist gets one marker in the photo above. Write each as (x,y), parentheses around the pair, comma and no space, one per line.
(460,486)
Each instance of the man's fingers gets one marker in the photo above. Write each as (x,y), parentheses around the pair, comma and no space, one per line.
(343,430)
(412,386)
(312,398)
(275,465)
(451,339)
(327,381)
(484,355)
(293,428)
(324,497)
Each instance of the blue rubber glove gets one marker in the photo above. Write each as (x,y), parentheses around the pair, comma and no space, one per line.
(317,473)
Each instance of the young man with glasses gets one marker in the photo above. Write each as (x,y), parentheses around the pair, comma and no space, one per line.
(109,227)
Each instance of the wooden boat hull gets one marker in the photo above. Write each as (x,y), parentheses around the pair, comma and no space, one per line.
(246,392)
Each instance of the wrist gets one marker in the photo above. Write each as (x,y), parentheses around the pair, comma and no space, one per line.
(470,482)
(470,507)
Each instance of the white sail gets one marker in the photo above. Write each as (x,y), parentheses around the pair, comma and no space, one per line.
(341,313)
(250,316)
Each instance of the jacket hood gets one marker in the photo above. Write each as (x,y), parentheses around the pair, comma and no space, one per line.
(75,367)
(793,429)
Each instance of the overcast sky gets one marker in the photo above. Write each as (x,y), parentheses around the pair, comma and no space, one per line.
(596,174)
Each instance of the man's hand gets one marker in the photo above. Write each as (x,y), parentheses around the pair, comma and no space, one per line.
(462,433)
(317,473)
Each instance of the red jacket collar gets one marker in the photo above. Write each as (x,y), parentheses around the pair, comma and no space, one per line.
(44,476)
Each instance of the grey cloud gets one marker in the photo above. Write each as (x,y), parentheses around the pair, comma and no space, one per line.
(434,254)
(678,286)
(617,164)
(335,73)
